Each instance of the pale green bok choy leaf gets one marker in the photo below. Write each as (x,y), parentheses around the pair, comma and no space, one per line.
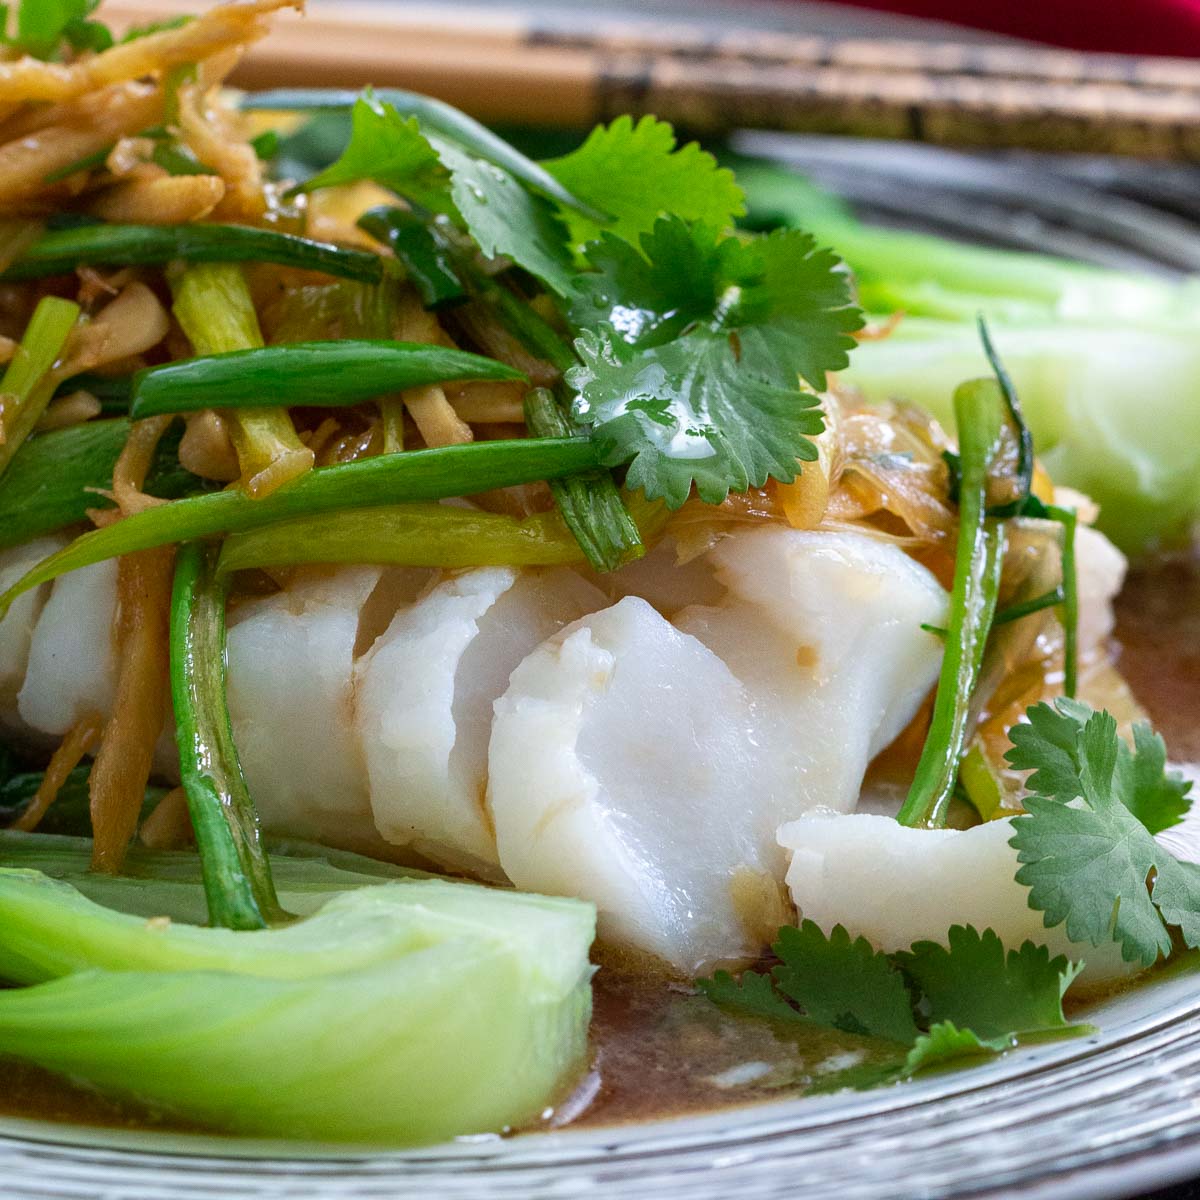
(1114,410)
(401,1013)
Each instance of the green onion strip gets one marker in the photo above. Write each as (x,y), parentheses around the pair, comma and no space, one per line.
(61,251)
(27,385)
(237,875)
(324,374)
(416,475)
(979,559)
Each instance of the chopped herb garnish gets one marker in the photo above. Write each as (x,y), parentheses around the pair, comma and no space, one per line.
(940,1002)
(636,173)
(1086,842)
(692,352)
(974,983)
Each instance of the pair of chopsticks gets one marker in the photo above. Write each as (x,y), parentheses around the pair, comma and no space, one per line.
(508,65)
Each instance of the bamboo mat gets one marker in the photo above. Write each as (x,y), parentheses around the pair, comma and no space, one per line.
(522,66)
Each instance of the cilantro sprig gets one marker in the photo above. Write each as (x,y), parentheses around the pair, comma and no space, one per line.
(1086,843)
(693,349)
(635,172)
(692,344)
(935,1004)
(622,178)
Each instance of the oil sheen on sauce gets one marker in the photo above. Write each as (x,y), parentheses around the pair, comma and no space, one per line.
(659,1049)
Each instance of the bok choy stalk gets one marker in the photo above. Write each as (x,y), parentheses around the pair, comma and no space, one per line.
(28,385)
(61,251)
(1115,411)
(1106,361)
(401,1013)
(388,479)
(979,558)
(215,310)
(170,882)
(318,373)
(237,875)
(929,276)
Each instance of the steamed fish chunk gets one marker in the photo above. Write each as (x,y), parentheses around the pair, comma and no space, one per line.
(16,628)
(625,770)
(291,702)
(895,886)
(72,669)
(425,692)
(824,630)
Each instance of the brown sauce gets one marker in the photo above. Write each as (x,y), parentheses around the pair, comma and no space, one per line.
(659,1049)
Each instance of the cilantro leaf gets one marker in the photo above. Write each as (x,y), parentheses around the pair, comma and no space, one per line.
(843,983)
(945,1043)
(1075,752)
(837,982)
(1156,796)
(752,994)
(966,1000)
(693,371)
(651,294)
(634,173)
(1176,895)
(975,983)
(1089,864)
(1048,746)
(390,149)
(504,218)
(500,213)
(1090,869)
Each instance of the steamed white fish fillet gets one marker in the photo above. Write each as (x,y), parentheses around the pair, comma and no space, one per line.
(668,755)
(894,886)
(624,770)
(291,702)
(72,667)
(824,630)
(16,628)
(424,701)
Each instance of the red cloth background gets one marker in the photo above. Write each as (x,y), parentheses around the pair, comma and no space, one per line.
(1123,26)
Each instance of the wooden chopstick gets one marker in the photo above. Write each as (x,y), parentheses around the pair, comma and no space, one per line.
(506,66)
